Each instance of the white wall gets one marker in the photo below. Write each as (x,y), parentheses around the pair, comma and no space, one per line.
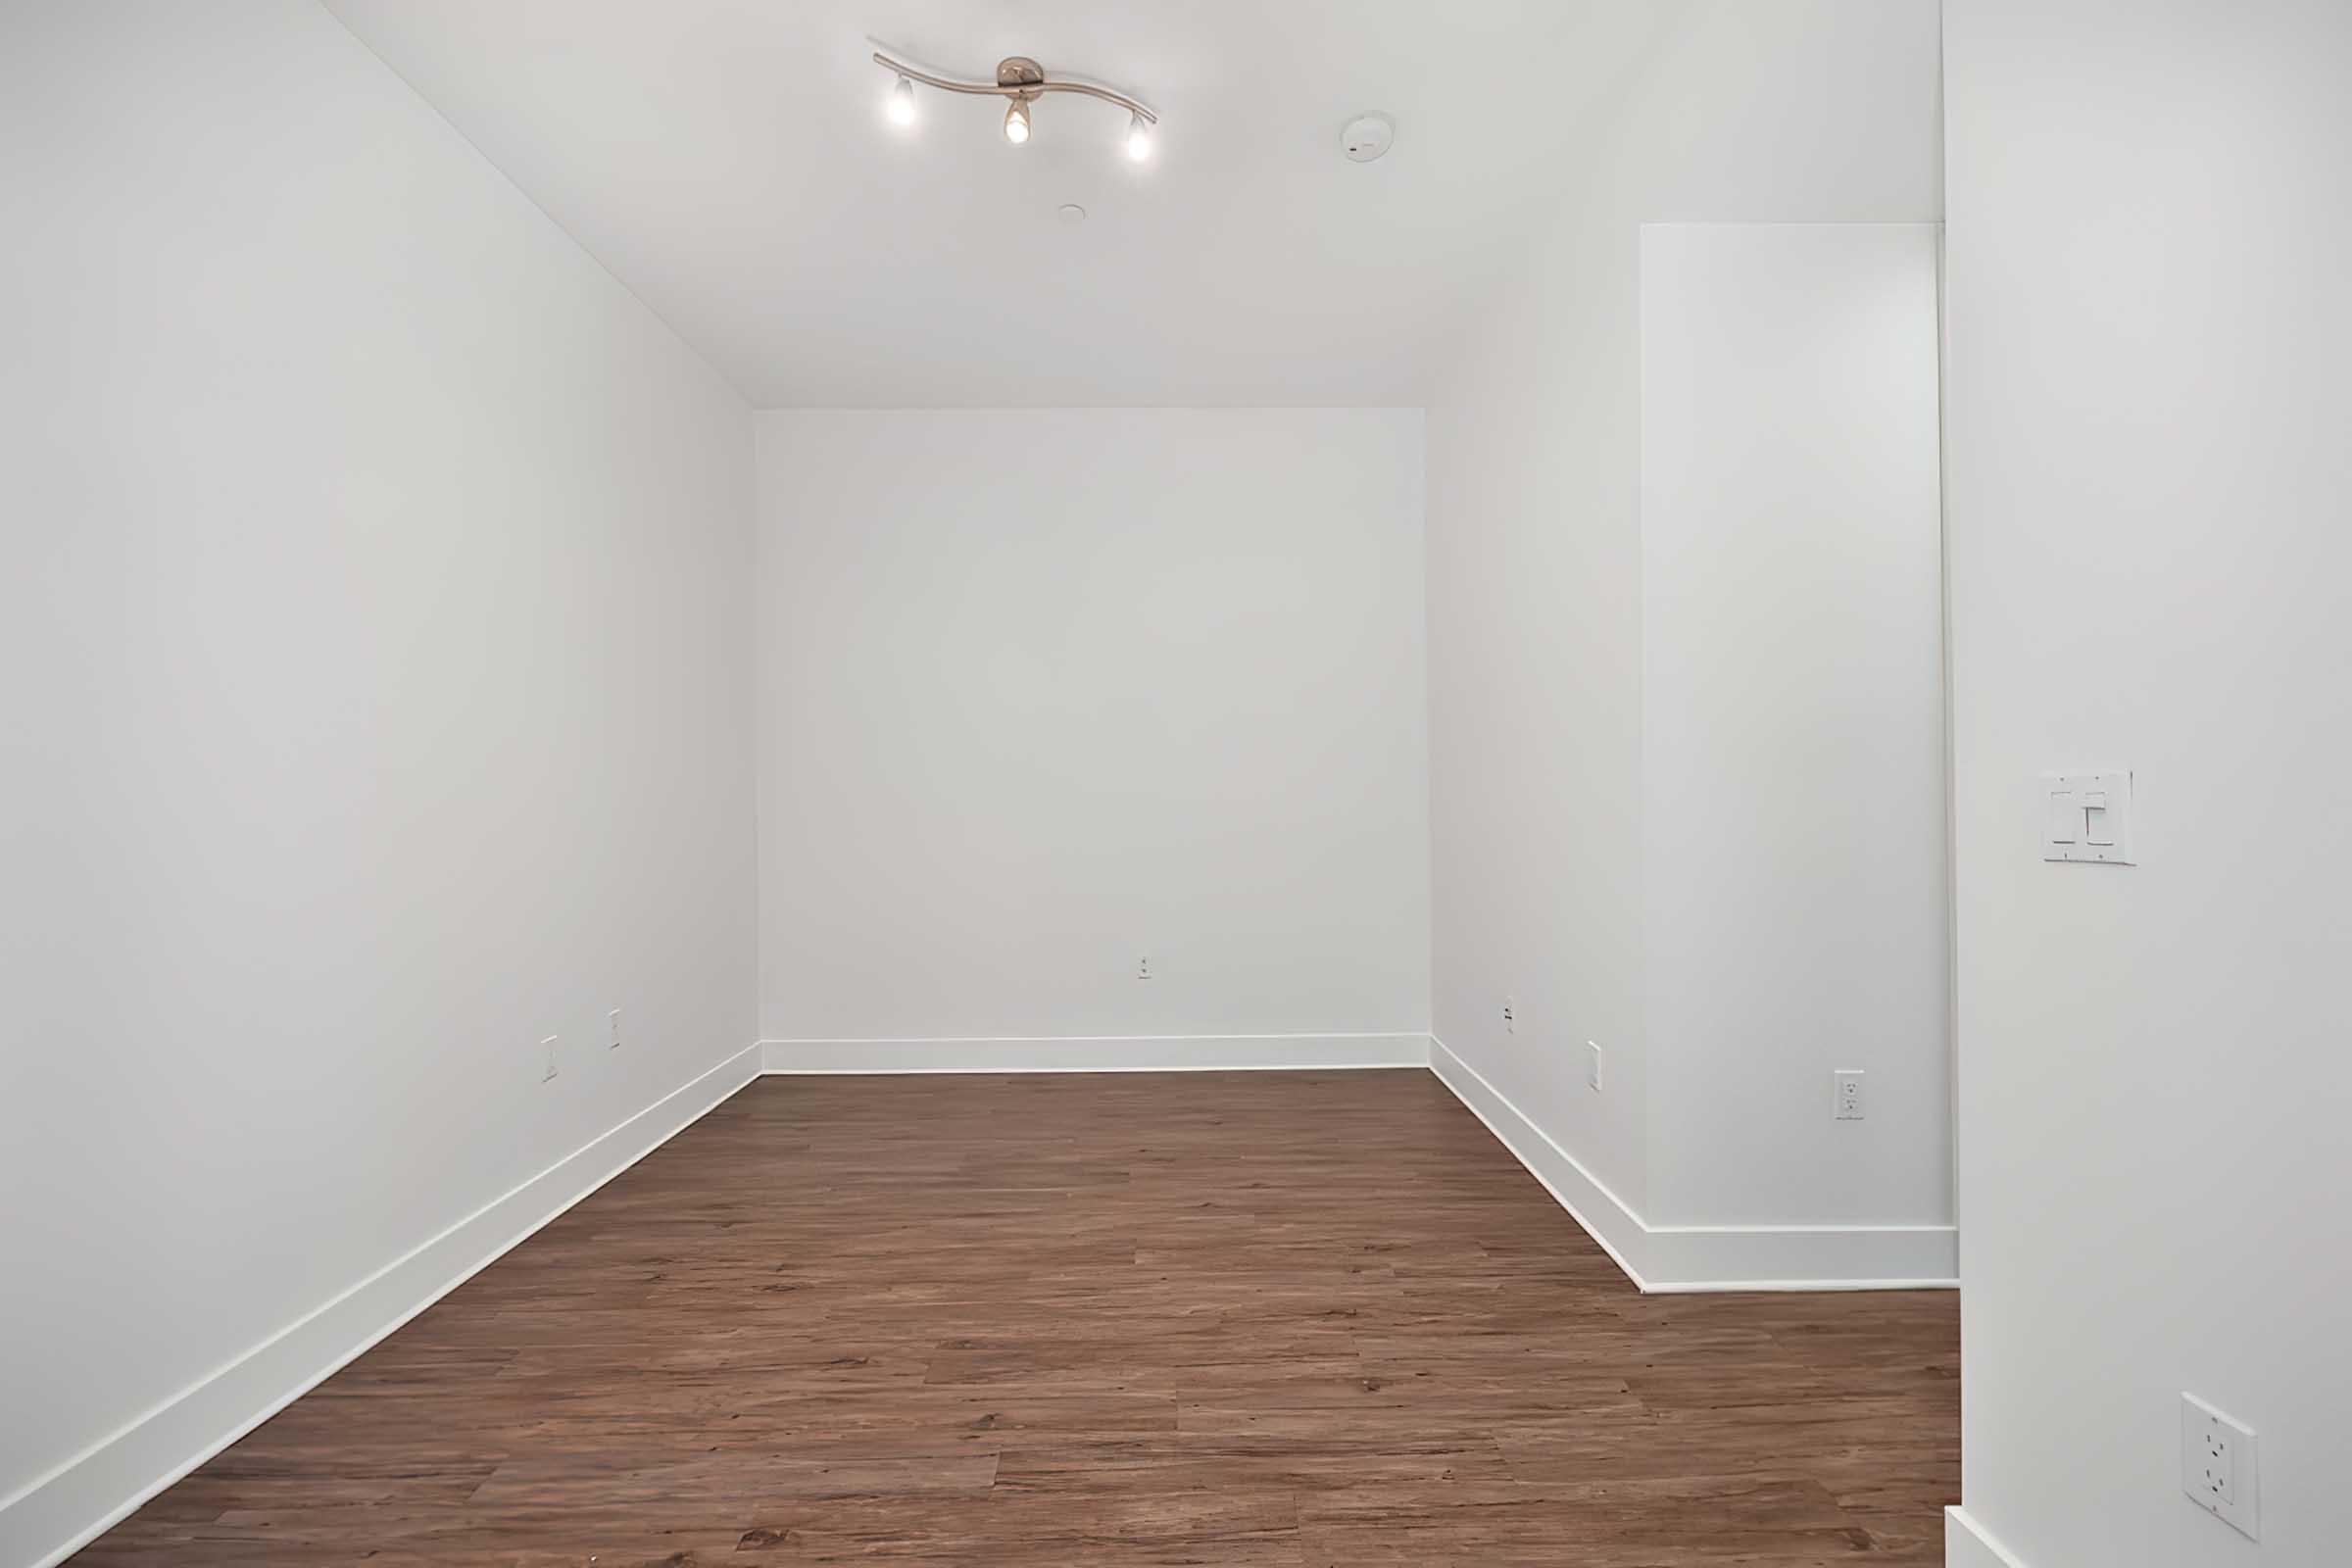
(1792,747)
(376,629)
(1744,111)
(1044,691)
(2148,408)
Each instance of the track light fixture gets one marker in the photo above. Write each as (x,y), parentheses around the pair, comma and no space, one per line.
(1023,81)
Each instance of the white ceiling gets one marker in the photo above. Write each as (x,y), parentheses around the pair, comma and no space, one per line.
(729,159)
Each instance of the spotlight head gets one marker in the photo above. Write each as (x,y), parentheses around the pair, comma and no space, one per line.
(901,103)
(1139,138)
(1017,122)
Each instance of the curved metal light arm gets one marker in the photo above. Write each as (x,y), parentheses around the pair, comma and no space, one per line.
(1024,89)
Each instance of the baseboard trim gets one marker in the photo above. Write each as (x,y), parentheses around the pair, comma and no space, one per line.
(1099,1053)
(1969,1544)
(65,1510)
(1605,1217)
(1665,1260)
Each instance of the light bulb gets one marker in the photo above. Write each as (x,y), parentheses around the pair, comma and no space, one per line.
(901,103)
(1139,138)
(1017,122)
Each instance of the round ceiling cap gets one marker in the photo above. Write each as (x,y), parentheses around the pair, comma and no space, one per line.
(1367,136)
(1072,213)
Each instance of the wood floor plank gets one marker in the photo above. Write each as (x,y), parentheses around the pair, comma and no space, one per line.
(1297,1320)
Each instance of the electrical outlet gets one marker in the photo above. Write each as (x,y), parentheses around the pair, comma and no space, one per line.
(1849,1082)
(614,1019)
(1143,967)
(549,1047)
(2216,1464)
(1592,1065)
(1511,1017)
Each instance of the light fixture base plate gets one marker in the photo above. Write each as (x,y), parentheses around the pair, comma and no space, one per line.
(1019,71)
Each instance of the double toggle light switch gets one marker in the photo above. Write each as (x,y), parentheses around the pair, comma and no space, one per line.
(2087,817)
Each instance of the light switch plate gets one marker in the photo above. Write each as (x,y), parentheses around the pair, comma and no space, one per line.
(2086,817)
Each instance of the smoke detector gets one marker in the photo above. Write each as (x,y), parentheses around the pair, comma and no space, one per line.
(1367,136)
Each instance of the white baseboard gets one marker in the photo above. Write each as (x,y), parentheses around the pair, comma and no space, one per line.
(1607,1218)
(1099,1053)
(1968,1544)
(65,1510)
(1669,1258)
(60,1513)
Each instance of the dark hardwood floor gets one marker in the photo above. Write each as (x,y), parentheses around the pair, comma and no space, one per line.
(1222,1318)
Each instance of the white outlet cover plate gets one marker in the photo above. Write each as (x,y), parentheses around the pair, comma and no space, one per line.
(1840,1080)
(2237,1507)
